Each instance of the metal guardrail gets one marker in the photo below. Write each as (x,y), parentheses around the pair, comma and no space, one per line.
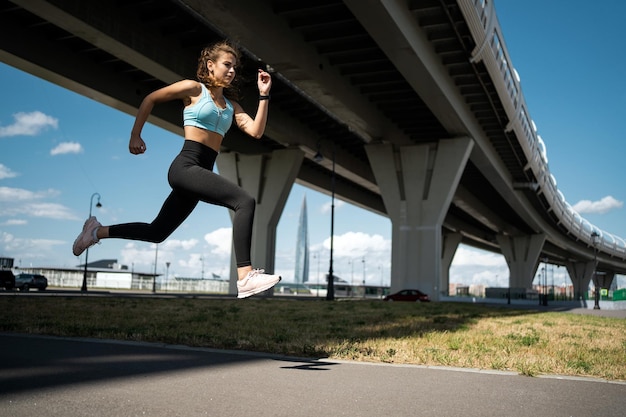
(491,49)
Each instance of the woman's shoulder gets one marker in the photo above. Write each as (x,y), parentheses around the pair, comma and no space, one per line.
(184,89)
(236,106)
(187,85)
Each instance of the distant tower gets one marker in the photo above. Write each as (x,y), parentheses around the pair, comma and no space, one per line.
(301,274)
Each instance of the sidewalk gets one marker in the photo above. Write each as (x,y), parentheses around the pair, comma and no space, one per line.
(70,377)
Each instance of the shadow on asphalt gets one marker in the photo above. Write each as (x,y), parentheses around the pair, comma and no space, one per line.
(32,363)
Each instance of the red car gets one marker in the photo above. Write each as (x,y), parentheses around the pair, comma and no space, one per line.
(408,295)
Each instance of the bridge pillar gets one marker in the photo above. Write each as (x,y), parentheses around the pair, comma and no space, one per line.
(451,243)
(580,273)
(522,256)
(607,281)
(268,178)
(417,183)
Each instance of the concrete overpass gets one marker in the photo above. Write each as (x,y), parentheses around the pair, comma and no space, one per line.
(417,102)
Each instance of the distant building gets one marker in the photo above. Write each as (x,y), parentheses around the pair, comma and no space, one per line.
(105,264)
(6,263)
(464,290)
(108,274)
(301,274)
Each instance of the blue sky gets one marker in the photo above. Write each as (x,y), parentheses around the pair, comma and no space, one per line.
(58,148)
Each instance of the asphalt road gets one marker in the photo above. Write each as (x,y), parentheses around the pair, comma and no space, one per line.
(70,377)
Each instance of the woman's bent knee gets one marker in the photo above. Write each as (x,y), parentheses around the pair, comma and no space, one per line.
(249,203)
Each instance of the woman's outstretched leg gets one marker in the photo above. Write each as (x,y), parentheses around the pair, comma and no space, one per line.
(211,188)
(174,211)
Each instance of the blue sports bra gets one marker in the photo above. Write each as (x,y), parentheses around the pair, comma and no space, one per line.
(205,114)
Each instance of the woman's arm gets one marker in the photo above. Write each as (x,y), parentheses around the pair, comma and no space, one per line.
(255,127)
(180,90)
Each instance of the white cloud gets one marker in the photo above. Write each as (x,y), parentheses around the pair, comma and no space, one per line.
(197,265)
(43,210)
(325,208)
(6,238)
(6,172)
(141,255)
(66,147)
(605,205)
(49,211)
(28,248)
(221,241)
(29,124)
(138,256)
(8,194)
(15,222)
(355,255)
(468,257)
(194,265)
(473,266)
(21,202)
(357,244)
(175,244)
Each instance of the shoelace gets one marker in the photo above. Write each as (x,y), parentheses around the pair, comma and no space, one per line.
(255,272)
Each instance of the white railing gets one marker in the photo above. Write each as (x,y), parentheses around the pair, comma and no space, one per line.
(483,23)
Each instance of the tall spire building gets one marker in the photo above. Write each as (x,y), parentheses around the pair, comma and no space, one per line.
(301,274)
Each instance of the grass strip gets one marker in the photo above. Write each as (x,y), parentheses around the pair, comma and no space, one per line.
(443,334)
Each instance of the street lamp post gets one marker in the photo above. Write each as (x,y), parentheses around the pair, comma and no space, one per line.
(330,291)
(363,260)
(84,286)
(156,255)
(330,294)
(544,297)
(539,287)
(352,271)
(545,281)
(552,283)
(317,277)
(595,239)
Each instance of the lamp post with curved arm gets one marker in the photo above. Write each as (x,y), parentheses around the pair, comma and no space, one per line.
(330,289)
(84,286)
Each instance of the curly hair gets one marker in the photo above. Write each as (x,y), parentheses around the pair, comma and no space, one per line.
(212,53)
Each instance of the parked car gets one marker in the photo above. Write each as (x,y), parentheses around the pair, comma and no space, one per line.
(408,295)
(27,281)
(7,279)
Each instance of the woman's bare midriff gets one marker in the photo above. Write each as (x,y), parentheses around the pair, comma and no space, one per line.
(206,137)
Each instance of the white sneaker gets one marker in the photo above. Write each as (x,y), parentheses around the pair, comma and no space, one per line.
(256,282)
(86,238)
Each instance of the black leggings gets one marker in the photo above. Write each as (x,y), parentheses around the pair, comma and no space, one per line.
(192,180)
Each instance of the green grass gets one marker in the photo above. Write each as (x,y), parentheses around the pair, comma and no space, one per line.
(444,334)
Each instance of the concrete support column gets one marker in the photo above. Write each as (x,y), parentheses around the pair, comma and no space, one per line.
(607,280)
(602,281)
(417,184)
(268,178)
(451,243)
(580,273)
(522,256)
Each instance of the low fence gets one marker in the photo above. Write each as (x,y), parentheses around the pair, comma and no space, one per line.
(619,295)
